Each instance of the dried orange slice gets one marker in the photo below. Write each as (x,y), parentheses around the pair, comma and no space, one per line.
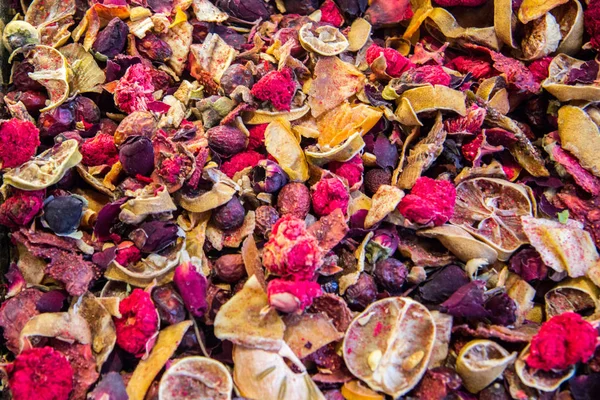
(546,381)
(389,344)
(354,390)
(359,34)
(197,378)
(480,362)
(342,122)
(328,41)
(491,209)
(51,70)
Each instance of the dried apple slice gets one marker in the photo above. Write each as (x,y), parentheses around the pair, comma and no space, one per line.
(307,333)
(480,362)
(213,56)
(578,295)
(389,344)
(546,381)
(491,209)
(197,378)
(328,41)
(87,75)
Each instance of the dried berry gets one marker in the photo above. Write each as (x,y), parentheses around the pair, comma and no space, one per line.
(137,156)
(32,100)
(21,78)
(266,216)
(294,199)
(62,214)
(191,285)
(100,150)
(154,48)
(362,293)
(229,268)
(138,324)
(267,176)
(277,87)
(391,274)
(112,39)
(169,305)
(236,75)
(230,215)
(351,170)
(330,14)
(503,309)
(328,195)
(18,142)
(429,201)
(86,110)
(376,177)
(41,373)
(226,140)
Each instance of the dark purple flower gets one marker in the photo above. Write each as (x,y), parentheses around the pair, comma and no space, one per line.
(528,264)
(137,156)
(468,301)
(443,284)
(192,288)
(112,39)
(154,236)
(502,309)
(107,216)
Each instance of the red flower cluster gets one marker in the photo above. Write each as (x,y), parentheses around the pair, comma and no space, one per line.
(99,150)
(256,139)
(20,208)
(430,201)
(241,161)
(562,341)
(138,323)
(18,142)
(278,87)
(396,62)
(330,14)
(329,194)
(591,20)
(432,74)
(290,296)
(134,90)
(352,170)
(40,373)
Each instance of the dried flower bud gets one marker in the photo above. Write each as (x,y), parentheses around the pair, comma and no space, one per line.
(382,245)
(56,121)
(170,306)
(236,75)
(191,284)
(230,268)
(112,39)
(294,199)
(267,176)
(362,293)
(391,274)
(226,140)
(266,216)
(99,150)
(375,178)
(230,215)
(154,48)
(328,195)
(63,214)
(292,296)
(137,156)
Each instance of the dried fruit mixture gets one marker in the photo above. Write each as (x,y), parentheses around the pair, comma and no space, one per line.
(300,199)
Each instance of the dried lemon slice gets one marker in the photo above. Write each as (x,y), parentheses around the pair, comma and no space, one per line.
(258,117)
(490,209)
(328,42)
(464,246)
(283,145)
(197,378)
(51,70)
(389,344)
(354,390)
(45,169)
(546,381)
(480,362)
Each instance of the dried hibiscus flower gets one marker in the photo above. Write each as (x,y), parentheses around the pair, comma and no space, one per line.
(18,142)
(429,202)
(138,325)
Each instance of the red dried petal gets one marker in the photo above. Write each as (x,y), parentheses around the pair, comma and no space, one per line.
(470,123)
(138,323)
(256,139)
(432,74)
(562,341)
(330,14)
(40,373)
(100,150)
(128,255)
(430,201)
(477,66)
(591,20)
(133,91)
(352,170)
(539,68)
(241,161)
(18,142)
(292,296)
(19,209)
(278,87)
(396,62)
(329,194)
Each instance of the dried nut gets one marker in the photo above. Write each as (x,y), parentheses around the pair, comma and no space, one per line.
(294,198)
(226,140)
(266,216)
(230,215)
(230,268)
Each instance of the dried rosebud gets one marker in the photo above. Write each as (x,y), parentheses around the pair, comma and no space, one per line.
(230,268)
(56,121)
(21,208)
(562,341)
(375,178)
(382,245)
(169,305)
(18,142)
(236,75)
(503,309)
(362,293)
(351,170)
(391,274)
(21,78)
(33,100)
(99,150)
(266,216)
(63,214)
(191,285)
(138,324)
(396,62)
(240,162)
(292,296)
(328,195)
(112,39)
(154,48)
(40,373)
(226,140)
(294,199)
(267,176)
(134,90)
(528,264)
(86,110)
(155,236)
(291,251)
(302,7)
(230,215)
(137,156)
(330,14)
(430,201)
(248,10)
(277,87)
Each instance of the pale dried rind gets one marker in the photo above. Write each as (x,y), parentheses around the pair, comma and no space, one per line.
(197,376)
(480,362)
(533,9)
(66,326)
(328,42)
(214,55)
(87,75)
(572,295)
(340,123)
(429,98)
(283,145)
(153,199)
(384,201)
(221,192)
(542,37)
(445,22)
(505,22)
(559,70)
(102,327)
(207,12)
(351,277)
(546,381)
(359,34)
(570,18)
(394,360)
(460,243)
(179,38)
(580,136)
(341,153)
(307,333)
(258,117)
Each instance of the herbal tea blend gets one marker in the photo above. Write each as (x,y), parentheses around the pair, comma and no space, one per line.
(300,200)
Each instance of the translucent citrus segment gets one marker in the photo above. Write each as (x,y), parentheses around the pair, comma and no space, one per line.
(342,122)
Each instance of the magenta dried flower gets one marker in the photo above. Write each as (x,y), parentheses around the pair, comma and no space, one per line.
(138,324)
(191,285)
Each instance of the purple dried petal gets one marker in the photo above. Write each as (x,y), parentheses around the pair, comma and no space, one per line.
(585,387)
(443,283)
(107,216)
(386,152)
(586,74)
(111,387)
(103,258)
(15,279)
(51,301)
(502,309)
(467,301)
(154,236)
(374,94)
(528,264)
(192,288)
(115,68)
(112,39)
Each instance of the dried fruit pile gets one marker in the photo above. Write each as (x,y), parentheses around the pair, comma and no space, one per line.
(300,199)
